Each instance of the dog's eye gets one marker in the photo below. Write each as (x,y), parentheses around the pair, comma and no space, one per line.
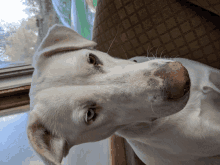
(92,59)
(90,115)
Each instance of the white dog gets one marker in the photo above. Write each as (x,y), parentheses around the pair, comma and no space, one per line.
(167,110)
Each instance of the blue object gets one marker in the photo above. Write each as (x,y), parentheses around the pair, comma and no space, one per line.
(75,14)
(63,10)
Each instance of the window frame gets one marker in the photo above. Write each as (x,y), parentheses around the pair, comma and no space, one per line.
(15,83)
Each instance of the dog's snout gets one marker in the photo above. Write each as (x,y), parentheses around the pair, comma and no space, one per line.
(176,79)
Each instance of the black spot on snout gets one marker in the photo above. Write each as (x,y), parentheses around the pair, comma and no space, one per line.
(147,74)
(160,71)
(153,82)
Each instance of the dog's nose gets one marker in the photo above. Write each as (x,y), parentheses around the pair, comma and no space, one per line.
(176,79)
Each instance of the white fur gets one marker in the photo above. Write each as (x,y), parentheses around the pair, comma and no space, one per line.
(65,86)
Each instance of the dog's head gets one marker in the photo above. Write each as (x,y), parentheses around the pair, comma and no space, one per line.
(81,95)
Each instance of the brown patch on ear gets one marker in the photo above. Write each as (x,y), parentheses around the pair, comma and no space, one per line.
(51,148)
(176,79)
(46,135)
(38,130)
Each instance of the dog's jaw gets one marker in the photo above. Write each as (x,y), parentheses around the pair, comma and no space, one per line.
(145,127)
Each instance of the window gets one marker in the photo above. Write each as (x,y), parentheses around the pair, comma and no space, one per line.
(19,37)
(15,79)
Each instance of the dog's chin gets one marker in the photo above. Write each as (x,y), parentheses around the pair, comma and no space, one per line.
(184,99)
(180,102)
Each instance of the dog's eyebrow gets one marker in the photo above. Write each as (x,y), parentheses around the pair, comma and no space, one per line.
(91,48)
(55,52)
(89,103)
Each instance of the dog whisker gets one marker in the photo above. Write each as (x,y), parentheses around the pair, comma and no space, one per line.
(120,45)
(157,50)
(148,58)
(149,51)
(153,55)
(113,39)
(151,48)
(152,108)
(161,53)
(124,52)
(174,57)
(177,56)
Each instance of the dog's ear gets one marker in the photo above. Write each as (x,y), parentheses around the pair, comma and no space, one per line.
(60,38)
(50,148)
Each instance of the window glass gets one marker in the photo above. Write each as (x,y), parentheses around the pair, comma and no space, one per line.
(14,146)
(18,31)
